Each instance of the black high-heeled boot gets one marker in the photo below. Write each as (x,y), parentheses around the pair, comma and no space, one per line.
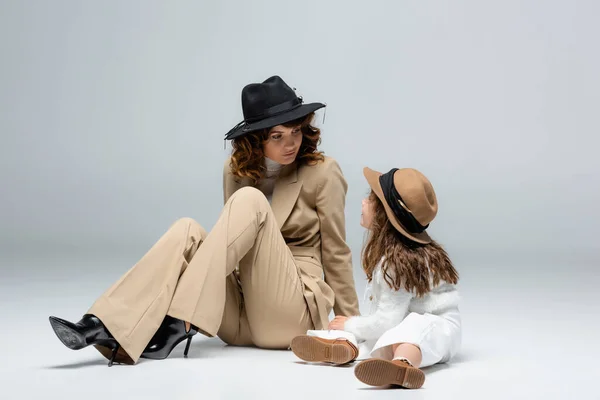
(170,333)
(88,331)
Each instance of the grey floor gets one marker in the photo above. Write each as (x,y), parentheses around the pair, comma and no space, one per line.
(526,335)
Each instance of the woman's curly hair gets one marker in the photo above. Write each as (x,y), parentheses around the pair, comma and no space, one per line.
(247,159)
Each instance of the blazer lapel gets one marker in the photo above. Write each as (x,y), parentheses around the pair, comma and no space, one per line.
(286,191)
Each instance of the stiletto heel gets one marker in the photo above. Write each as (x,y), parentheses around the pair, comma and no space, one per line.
(114,354)
(170,333)
(187,346)
(88,331)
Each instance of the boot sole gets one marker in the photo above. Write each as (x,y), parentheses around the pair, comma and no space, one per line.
(382,373)
(310,349)
(69,337)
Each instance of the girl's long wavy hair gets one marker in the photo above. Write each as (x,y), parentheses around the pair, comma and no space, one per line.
(247,158)
(408,264)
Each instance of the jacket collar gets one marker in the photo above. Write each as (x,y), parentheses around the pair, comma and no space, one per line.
(286,192)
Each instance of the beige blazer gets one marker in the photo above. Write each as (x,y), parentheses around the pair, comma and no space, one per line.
(309,203)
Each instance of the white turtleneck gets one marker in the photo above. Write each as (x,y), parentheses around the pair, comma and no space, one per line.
(267,184)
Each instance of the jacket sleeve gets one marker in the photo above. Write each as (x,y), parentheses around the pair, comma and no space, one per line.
(227,181)
(335,253)
(391,310)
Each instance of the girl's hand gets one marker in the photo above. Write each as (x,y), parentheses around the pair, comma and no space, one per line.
(337,323)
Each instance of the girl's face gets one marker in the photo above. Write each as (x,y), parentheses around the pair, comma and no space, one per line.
(366,215)
(283,144)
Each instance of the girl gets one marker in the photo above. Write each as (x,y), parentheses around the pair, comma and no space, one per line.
(414,320)
(256,279)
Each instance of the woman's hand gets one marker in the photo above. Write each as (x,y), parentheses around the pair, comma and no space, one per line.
(337,323)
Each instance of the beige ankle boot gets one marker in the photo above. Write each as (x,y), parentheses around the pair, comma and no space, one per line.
(377,372)
(315,349)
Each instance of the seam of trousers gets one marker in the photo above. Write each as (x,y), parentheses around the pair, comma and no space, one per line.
(187,262)
(130,333)
(185,251)
(184,247)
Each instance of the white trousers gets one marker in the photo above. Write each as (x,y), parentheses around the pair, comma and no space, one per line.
(438,337)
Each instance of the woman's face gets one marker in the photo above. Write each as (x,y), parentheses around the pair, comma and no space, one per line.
(283,144)
(366,215)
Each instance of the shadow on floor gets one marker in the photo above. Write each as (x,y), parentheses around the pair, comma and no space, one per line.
(82,364)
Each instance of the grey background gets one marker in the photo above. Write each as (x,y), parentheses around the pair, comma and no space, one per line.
(112,116)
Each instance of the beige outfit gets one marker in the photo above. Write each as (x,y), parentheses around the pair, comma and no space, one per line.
(256,278)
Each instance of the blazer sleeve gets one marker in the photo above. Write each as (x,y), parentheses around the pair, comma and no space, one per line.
(227,181)
(335,252)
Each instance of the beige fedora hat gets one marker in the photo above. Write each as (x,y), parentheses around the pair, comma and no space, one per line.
(408,198)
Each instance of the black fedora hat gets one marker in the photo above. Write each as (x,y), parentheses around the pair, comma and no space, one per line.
(269,104)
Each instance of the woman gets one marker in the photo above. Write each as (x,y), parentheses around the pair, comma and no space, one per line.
(273,267)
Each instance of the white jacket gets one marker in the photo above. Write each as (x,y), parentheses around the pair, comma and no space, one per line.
(390,307)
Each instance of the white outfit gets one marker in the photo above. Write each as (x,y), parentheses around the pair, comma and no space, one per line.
(267,184)
(431,322)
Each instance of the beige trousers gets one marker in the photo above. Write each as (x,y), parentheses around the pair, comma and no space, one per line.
(191,275)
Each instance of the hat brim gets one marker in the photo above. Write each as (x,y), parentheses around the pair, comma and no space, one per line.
(372,178)
(298,112)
